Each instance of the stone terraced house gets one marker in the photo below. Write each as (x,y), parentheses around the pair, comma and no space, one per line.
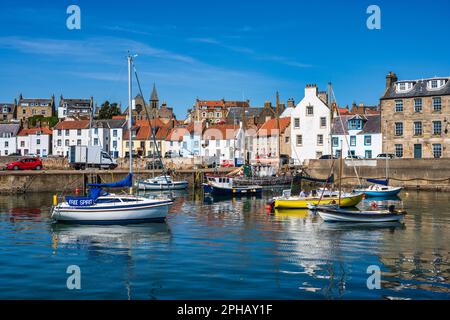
(415,117)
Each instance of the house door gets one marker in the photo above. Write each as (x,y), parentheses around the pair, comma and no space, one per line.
(417,151)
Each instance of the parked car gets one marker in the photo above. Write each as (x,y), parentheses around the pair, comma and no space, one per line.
(171,154)
(25,164)
(15,154)
(227,163)
(386,156)
(327,157)
(353,157)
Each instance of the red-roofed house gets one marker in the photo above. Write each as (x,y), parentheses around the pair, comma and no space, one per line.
(214,111)
(223,141)
(69,133)
(142,136)
(36,141)
(272,138)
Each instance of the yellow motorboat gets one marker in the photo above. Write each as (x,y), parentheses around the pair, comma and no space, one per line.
(297,202)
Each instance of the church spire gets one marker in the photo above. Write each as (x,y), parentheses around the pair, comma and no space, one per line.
(154,95)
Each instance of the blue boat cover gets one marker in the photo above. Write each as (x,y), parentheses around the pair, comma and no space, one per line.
(376,181)
(127,182)
(89,200)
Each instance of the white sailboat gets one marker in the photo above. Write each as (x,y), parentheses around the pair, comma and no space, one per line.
(100,207)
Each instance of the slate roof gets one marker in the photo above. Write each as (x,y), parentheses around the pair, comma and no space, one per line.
(12,128)
(419,90)
(372,124)
(235,113)
(223,103)
(75,103)
(109,123)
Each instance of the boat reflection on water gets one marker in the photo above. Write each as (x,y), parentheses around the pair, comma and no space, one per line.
(342,226)
(209,199)
(292,213)
(394,198)
(109,236)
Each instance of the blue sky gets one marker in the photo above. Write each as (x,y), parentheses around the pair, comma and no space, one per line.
(219,49)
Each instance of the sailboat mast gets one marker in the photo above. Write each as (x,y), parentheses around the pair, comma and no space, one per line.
(130,114)
(340,174)
(386,167)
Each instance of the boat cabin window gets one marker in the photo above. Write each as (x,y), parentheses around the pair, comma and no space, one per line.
(107,200)
(129,200)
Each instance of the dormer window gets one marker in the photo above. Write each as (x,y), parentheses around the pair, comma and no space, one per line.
(355,124)
(404,86)
(436,84)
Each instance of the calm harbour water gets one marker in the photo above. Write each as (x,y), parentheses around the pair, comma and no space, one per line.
(231,249)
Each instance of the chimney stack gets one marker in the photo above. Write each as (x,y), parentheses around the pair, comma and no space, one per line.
(390,79)
(291,103)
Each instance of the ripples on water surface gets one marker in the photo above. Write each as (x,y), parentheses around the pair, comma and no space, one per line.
(228,249)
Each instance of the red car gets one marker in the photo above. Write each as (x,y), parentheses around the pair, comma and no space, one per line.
(25,164)
(227,164)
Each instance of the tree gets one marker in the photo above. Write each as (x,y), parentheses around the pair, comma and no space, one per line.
(108,110)
(42,121)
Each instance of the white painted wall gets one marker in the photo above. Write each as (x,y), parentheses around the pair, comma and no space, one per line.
(34,144)
(72,137)
(360,148)
(174,146)
(8,145)
(310,127)
(62,112)
(115,142)
(224,149)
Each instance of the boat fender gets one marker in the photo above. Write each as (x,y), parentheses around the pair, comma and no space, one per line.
(374,205)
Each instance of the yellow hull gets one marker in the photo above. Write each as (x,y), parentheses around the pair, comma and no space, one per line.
(291,213)
(302,203)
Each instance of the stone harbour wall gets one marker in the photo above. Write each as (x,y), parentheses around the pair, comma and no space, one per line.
(426,174)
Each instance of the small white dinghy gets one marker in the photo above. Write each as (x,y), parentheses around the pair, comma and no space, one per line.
(164,182)
(334,213)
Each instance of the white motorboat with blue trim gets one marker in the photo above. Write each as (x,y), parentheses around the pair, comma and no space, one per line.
(164,182)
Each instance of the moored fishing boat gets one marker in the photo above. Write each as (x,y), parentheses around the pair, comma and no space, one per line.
(164,182)
(335,213)
(224,186)
(287,201)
